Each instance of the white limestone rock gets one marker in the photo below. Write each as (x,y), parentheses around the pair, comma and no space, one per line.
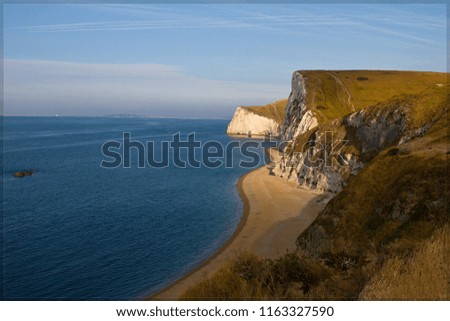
(246,122)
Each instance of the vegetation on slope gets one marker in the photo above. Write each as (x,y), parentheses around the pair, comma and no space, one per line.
(383,216)
(399,200)
(333,94)
(420,277)
(249,277)
(275,111)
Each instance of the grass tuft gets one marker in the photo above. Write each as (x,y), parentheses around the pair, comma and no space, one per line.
(422,276)
(249,277)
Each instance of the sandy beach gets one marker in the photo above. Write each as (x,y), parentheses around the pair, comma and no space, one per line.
(275,213)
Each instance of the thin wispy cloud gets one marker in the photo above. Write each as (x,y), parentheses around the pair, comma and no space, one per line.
(137,25)
(403,35)
(156,17)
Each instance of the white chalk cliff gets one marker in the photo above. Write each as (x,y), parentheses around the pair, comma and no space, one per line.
(299,121)
(246,122)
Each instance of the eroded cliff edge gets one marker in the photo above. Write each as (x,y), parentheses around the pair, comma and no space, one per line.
(337,121)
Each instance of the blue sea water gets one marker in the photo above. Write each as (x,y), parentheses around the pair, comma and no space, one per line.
(75,230)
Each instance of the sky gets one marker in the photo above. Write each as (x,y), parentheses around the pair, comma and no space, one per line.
(188,60)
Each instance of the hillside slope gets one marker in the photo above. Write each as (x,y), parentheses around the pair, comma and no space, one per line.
(384,214)
(391,175)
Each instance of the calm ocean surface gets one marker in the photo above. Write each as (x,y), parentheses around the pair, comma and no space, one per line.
(74,230)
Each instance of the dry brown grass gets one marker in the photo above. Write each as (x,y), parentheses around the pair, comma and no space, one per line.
(229,283)
(423,276)
(249,277)
(385,212)
(224,285)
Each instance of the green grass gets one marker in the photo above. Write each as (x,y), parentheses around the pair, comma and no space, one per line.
(333,94)
(275,110)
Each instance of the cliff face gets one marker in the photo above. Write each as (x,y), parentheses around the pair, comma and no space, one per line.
(336,122)
(246,122)
(299,119)
(302,136)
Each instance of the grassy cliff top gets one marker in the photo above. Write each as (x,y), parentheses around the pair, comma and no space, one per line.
(333,94)
(275,110)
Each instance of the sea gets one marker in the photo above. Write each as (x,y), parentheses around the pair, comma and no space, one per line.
(78,230)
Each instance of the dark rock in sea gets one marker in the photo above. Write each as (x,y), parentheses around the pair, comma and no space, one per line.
(20,174)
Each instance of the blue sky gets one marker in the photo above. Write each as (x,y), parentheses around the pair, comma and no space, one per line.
(199,60)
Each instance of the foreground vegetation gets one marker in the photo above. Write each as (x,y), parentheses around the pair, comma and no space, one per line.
(420,275)
(249,277)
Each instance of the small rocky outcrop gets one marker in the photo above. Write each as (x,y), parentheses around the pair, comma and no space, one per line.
(20,174)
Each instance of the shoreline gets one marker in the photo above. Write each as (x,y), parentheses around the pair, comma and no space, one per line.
(272,219)
(239,227)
